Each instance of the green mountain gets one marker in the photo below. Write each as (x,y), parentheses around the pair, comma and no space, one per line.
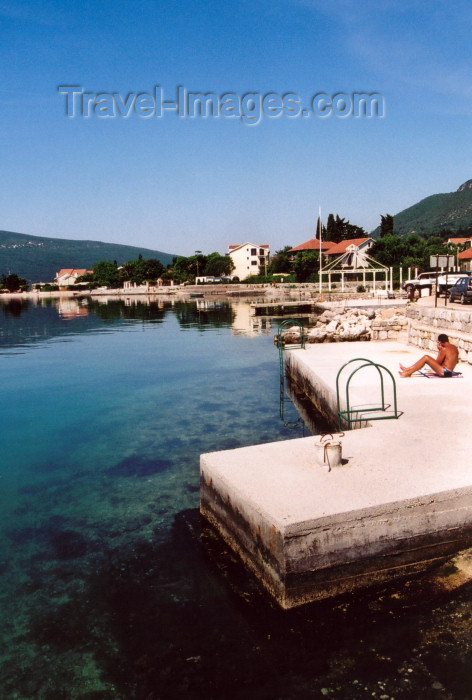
(451,210)
(39,259)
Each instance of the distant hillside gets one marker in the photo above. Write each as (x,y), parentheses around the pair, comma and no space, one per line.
(452,210)
(39,259)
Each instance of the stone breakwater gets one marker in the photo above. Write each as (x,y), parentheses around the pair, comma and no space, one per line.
(425,323)
(347,325)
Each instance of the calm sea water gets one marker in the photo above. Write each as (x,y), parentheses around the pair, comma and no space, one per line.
(109,585)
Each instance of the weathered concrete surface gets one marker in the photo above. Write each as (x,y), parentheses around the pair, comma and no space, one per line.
(401,501)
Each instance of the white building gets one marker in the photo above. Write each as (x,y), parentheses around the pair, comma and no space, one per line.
(249,259)
(69,275)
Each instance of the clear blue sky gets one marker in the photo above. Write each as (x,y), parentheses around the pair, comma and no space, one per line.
(179,184)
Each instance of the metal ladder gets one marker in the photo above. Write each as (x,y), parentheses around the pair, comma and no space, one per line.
(281,347)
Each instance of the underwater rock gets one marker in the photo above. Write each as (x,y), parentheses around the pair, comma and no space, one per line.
(136,465)
(68,544)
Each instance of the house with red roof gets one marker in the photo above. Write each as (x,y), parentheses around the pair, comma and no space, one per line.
(460,241)
(69,275)
(465,260)
(312,244)
(336,250)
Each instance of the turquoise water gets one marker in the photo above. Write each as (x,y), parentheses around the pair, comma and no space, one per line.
(106,589)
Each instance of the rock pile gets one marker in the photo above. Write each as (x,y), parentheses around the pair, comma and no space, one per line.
(334,326)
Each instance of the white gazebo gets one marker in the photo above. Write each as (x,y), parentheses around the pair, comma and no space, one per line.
(355,261)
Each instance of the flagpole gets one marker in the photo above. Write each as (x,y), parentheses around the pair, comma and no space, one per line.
(320,256)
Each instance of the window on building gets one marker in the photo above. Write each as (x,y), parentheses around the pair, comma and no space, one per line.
(261,251)
(253,251)
(253,262)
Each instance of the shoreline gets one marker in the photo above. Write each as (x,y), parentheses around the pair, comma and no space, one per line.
(297,292)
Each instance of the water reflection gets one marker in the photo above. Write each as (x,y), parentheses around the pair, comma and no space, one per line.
(15,307)
(139,309)
(42,319)
(70,309)
(204,314)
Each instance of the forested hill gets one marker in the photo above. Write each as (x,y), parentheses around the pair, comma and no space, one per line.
(451,210)
(39,259)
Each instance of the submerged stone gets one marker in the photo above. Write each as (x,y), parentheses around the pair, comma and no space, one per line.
(135,465)
(69,544)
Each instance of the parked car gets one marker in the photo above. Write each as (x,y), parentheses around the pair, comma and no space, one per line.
(425,279)
(462,291)
(452,279)
(428,279)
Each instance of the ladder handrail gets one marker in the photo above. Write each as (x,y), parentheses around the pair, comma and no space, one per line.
(346,414)
(283,326)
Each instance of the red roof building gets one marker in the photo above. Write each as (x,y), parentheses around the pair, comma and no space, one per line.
(69,275)
(465,259)
(330,248)
(312,244)
(460,241)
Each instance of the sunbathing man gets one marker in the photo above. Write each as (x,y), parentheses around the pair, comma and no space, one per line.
(444,363)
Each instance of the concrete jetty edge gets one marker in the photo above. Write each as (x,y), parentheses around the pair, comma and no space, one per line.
(400,503)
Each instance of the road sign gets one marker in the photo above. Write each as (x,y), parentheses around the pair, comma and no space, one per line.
(442,260)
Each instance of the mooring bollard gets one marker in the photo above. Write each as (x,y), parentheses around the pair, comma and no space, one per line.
(328,452)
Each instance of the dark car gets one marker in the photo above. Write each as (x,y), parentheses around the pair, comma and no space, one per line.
(462,290)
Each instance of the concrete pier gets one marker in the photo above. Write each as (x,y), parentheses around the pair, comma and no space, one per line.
(400,502)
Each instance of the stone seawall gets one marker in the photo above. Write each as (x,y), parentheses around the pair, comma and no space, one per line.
(425,323)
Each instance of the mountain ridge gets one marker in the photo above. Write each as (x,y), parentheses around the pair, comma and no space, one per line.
(39,258)
(447,210)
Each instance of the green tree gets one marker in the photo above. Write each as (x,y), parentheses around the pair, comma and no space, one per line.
(386,225)
(105,274)
(331,231)
(305,264)
(141,270)
(281,261)
(338,230)
(186,269)
(218,265)
(13,283)
(180,269)
(413,251)
(389,250)
(353,231)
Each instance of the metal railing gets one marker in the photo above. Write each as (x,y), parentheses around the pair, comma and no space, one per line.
(288,323)
(378,410)
(284,325)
